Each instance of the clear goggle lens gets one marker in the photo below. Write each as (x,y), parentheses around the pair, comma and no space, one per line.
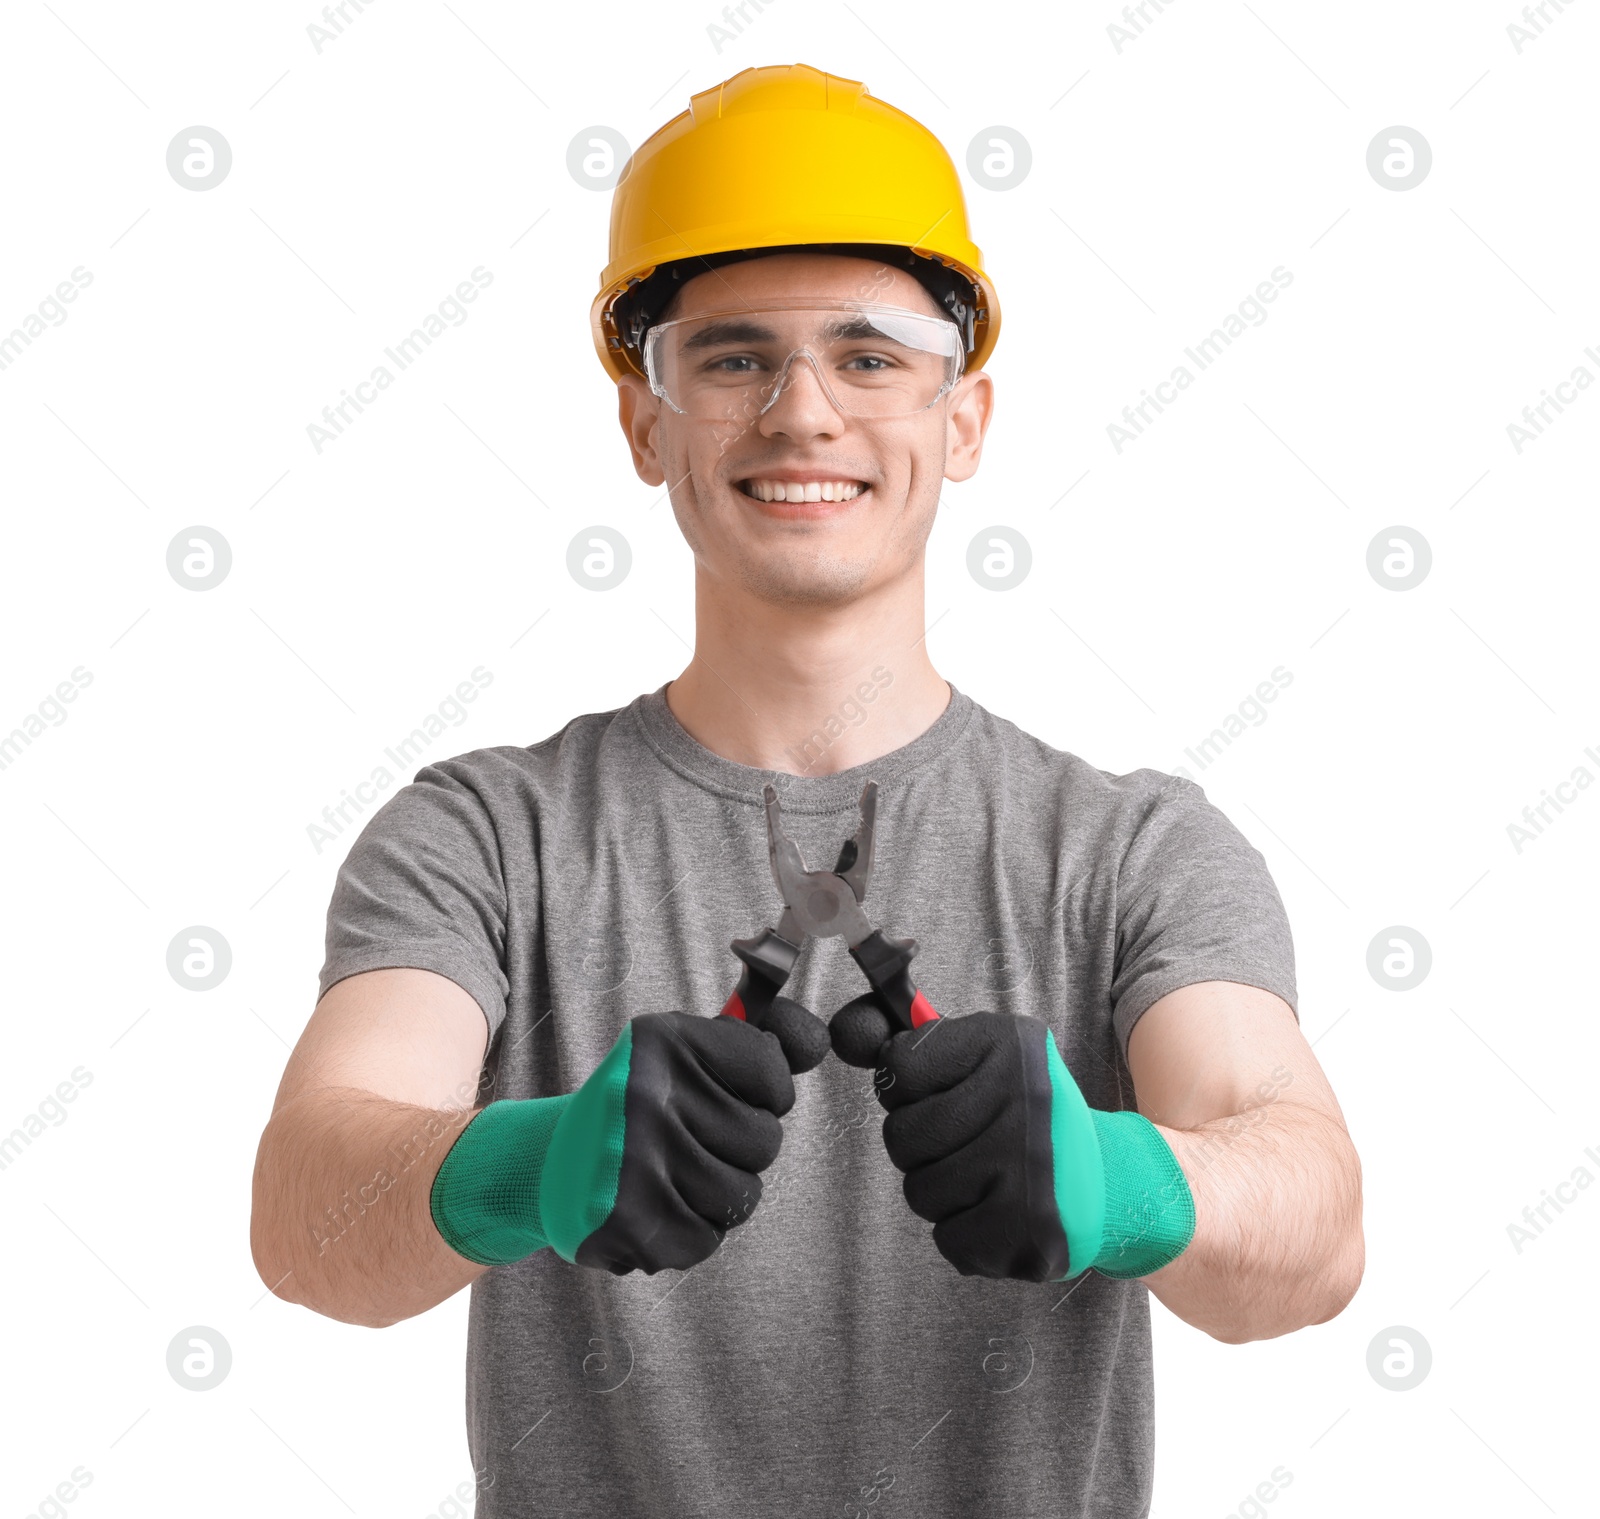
(871,361)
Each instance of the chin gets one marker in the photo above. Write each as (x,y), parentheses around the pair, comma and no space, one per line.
(785,580)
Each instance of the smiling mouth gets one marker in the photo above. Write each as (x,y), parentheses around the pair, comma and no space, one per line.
(773,489)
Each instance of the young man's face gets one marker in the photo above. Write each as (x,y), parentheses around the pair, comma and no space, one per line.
(891,467)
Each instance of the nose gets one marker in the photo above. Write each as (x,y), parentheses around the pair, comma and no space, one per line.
(801,406)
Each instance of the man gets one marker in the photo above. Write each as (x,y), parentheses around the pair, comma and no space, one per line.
(704,1280)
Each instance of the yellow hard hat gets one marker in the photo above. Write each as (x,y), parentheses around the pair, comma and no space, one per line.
(782,156)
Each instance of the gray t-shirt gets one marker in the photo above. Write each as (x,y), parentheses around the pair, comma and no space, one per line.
(826,1359)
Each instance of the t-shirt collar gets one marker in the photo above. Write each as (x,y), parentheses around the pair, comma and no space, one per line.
(800,793)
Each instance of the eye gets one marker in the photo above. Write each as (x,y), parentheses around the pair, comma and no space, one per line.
(869,363)
(733,363)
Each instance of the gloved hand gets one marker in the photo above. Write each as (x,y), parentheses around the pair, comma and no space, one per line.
(1017,1174)
(649,1163)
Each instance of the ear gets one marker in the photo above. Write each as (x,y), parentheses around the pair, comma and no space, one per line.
(639,411)
(967,419)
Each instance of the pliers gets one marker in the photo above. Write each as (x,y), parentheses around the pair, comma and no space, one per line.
(822,903)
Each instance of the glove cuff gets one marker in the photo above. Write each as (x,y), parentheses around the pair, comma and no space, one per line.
(1149,1215)
(485,1197)
(1124,1201)
(584,1164)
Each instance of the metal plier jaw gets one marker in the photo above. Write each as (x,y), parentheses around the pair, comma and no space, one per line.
(822,904)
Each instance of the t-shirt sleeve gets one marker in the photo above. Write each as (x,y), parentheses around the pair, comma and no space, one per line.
(423,887)
(1195,902)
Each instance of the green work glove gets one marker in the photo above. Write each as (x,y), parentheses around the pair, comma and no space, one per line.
(1019,1176)
(649,1163)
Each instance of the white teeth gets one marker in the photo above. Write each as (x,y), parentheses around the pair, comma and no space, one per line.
(810,490)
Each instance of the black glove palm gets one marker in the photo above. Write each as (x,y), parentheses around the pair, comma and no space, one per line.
(1019,1176)
(649,1163)
(700,1122)
(968,1103)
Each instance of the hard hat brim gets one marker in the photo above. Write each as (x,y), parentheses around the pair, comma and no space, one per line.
(619,359)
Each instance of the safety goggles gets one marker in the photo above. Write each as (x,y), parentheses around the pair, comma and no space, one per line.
(871,361)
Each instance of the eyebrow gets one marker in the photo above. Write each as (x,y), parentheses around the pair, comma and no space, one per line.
(744,330)
(737,330)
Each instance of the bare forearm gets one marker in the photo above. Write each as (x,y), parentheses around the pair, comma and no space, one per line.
(340,1221)
(1278,1241)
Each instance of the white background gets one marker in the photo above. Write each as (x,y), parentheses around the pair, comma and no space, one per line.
(1167,180)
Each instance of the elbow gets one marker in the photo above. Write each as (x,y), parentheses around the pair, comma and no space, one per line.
(286,1285)
(300,1258)
(1344,1281)
(1326,1298)
(1349,1263)
(1346,1258)
(363,1319)
(1236,1335)
(280,1275)
(294,1278)
(271,1263)
(284,1270)
(1341,1280)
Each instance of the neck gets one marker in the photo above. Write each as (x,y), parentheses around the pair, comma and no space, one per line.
(808,689)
